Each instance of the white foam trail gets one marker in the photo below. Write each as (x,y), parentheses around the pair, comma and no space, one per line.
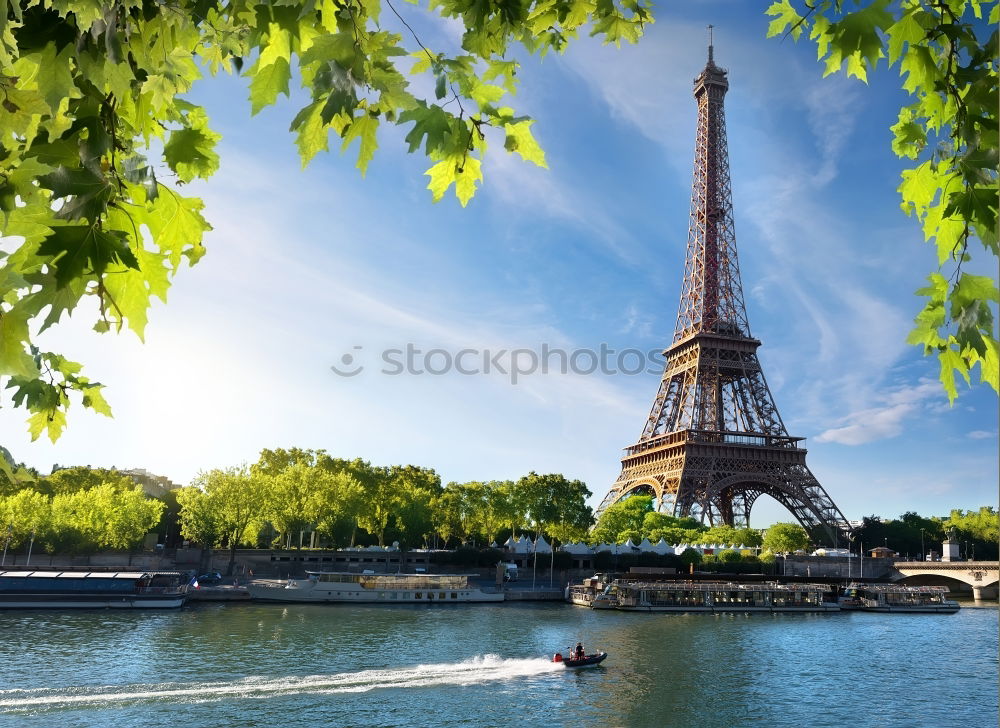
(482,669)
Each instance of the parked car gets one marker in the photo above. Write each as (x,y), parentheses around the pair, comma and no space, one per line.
(212,577)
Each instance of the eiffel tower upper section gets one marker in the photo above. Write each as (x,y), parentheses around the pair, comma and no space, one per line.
(711,311)
(714,441)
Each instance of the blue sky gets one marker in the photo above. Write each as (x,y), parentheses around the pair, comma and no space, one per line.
(304,266)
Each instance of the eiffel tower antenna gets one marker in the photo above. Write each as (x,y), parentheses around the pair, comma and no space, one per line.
(714,442)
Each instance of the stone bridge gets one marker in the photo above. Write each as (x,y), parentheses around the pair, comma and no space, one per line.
(981,576)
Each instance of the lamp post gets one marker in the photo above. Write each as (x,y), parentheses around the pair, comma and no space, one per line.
(5,545)
(923,556)
(31,545)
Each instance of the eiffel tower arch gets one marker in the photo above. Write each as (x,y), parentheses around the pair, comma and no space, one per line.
(714,441)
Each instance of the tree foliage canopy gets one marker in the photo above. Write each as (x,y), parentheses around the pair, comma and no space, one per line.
(634,518)
(783,538)
(946,54)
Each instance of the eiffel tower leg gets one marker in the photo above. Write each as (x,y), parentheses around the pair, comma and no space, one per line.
(742,502)
(811,506)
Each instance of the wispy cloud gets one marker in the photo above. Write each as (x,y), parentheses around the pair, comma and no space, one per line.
(981,435)
(884,421)
(525,191)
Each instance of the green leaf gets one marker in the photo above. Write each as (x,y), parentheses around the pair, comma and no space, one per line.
(519,139)
(785,16)
(93,398)
(909,136)
(51,421)
(312,134)
(55,79)
(951,361)
(267,82)
(921,72)
(459,169)
(88,191)
(989,362)
(191,153)
(177,226)
(363,128)
(920,186)
(278,48)
(947,232)
(431,122)
(80,249)
(128,291)
(905,30)
(971,289)
(14,360)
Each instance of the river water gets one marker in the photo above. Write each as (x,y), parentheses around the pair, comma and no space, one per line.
(223,665)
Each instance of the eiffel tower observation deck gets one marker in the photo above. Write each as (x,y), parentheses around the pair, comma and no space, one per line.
(714,441)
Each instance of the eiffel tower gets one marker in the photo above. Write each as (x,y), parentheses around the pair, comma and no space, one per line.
(714,441)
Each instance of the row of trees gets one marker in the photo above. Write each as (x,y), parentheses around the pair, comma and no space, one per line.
(289,493)
(77,510)
(977,530)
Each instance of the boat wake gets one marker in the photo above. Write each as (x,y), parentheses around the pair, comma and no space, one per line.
(474,671)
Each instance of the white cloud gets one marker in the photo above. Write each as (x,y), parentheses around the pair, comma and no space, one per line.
(981,435)
(885,421)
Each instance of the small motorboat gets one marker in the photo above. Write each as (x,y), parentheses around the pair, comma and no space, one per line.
(586,661)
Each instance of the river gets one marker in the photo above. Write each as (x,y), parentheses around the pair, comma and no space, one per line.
(228,665)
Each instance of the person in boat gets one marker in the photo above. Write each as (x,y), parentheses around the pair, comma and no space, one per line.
(579,653)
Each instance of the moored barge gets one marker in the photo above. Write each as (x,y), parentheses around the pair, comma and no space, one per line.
(92,589)
(706,596)
(898,598)
(335,586)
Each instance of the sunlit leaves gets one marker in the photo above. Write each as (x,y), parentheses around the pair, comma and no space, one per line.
(786,20)
(519,139)
(362,128)
(14,359)
(464,171)
(190,150)
(947,61)
(311,132)
(267,82)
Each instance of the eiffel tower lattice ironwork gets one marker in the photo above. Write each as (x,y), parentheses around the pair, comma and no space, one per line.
(714,441)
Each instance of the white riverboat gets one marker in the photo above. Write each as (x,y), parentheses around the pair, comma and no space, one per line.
(897,598)
(349,587)
(707,596)
(92,590)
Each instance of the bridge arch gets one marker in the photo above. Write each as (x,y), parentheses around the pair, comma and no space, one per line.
(978,578)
